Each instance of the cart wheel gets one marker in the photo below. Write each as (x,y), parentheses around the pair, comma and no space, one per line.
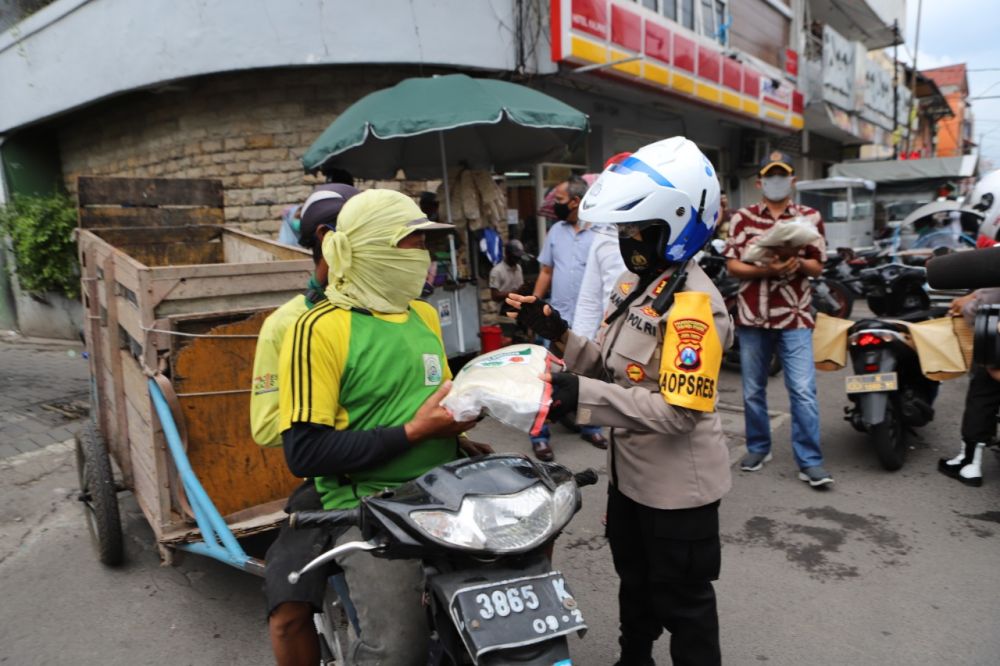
(99,496)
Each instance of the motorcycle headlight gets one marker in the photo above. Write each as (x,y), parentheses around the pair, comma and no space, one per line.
(502,523)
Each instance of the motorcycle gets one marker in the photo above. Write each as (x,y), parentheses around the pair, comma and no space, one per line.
(832,297)
(889,393)
(895,289)
(481,528)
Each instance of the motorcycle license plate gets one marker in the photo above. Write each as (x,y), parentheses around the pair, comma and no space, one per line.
(885,381)
(515,612)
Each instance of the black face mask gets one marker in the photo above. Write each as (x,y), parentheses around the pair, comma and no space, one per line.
(646,252)
(561,210)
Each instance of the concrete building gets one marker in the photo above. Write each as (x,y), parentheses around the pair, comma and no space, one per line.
(954,134)
(159,88)
(856,93)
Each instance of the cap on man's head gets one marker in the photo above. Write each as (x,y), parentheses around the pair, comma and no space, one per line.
(378,216)
(777,159)
(514,248)
(321,209)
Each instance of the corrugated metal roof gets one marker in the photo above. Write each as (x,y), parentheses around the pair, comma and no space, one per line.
(895,171)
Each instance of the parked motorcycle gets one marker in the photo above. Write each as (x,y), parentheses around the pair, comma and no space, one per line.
(481,527)
(895,289)
(889,394)
(845,266)
(832,297)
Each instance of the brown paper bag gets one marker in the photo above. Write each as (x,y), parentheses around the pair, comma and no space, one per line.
(938,348)
(963,331)
(830,342)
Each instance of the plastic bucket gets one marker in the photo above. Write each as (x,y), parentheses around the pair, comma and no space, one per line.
(491,337)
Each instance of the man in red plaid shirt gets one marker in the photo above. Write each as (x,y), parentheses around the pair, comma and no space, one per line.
(774,316)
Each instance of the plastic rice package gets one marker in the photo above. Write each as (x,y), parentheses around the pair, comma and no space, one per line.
(507,384)
(783,240)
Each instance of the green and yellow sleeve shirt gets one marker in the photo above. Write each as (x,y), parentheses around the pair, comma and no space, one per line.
(359,372)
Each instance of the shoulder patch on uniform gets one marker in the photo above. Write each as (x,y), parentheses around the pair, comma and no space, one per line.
(689,333)
(626,288)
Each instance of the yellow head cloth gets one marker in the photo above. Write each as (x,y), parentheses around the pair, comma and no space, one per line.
(367,270)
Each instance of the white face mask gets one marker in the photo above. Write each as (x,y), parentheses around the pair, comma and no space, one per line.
(776,188)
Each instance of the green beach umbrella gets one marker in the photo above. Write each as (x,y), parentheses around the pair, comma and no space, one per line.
(422,124)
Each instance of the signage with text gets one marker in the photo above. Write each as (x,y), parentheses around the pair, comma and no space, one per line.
(642,47)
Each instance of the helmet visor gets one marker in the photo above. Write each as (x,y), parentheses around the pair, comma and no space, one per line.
(631,229)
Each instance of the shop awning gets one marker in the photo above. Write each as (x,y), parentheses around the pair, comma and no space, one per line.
(856,20)
(843,127)
(896,171)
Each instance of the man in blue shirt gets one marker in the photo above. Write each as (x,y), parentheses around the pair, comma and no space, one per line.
(563,260)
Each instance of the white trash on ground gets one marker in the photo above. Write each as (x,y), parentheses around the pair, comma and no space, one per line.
(506,384)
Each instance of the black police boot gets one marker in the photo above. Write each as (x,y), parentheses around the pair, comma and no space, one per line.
(635,653)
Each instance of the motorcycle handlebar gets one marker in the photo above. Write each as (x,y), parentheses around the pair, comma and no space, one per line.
(301,520)
(587,477)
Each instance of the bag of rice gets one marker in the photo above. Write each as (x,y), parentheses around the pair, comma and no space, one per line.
(507,384)
(785,239)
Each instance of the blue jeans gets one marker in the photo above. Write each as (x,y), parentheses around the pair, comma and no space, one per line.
(544,435)
(794,348)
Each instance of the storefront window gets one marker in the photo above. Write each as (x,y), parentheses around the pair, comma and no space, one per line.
(648,4)
(669,9)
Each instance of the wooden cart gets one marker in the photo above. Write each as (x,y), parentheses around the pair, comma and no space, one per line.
(173,303)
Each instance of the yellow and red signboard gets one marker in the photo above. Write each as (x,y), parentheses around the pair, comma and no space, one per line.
(669,58)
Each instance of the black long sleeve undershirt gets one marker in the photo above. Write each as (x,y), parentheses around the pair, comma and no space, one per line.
(319,450)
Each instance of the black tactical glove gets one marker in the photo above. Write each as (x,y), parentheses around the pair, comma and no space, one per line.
(565,395)
(549,326)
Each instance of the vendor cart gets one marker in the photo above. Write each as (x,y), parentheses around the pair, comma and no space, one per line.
(173,303)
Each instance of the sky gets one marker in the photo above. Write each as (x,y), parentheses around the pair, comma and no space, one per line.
(956,31)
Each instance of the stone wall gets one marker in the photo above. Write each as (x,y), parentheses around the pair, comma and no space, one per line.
(248,128)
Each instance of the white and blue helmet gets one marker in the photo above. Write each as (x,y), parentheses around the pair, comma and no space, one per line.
(985,201)
(670,182)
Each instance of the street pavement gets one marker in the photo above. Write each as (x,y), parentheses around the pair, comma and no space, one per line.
(43,393)
(884,568)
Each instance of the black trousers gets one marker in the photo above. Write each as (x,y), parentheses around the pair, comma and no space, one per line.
(979,421)
(666,561)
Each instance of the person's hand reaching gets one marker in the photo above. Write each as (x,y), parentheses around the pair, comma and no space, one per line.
(540,317)
(432,420)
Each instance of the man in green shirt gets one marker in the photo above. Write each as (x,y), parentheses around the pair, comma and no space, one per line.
(360,410)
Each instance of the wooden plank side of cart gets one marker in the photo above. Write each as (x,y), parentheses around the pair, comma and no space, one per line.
(168,288)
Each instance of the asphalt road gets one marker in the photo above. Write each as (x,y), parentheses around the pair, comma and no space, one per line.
(884,568)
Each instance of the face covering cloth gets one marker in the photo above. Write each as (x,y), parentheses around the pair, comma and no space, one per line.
(777,188)
(367,270)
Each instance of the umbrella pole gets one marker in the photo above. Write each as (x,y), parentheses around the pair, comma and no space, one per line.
(451,246)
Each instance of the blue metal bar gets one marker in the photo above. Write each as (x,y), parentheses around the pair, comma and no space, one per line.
(210,522)
(250,564)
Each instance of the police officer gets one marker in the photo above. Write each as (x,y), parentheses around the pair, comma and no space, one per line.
(652,376)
